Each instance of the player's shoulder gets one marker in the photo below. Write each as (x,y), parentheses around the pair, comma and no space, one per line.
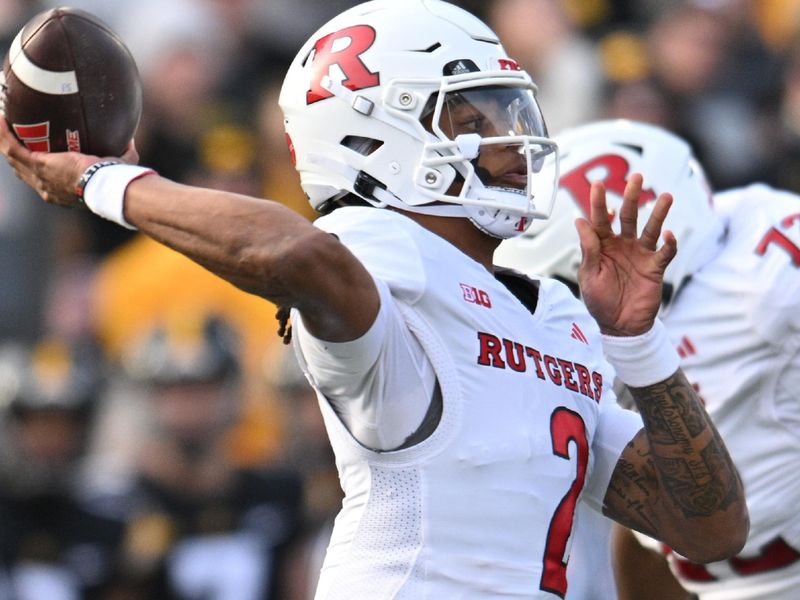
(763,242)
(756,204)
(388,244)
(365,230)
(550,294)
(560,302)
(360,222)
(560,308)
(760,219)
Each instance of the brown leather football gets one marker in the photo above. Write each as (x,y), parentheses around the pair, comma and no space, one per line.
(71,84)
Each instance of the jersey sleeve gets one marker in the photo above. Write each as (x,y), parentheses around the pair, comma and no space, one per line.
(616,427)
(764,230)
(380,385)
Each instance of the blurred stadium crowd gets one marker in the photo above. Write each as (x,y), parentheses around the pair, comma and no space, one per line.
(158,441)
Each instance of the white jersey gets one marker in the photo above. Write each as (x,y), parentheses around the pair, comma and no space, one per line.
(483,508)
(736,325)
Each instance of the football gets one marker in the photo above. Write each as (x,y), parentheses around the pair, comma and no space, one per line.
(70,83)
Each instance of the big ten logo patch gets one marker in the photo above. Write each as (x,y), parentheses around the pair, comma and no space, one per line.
(475,296)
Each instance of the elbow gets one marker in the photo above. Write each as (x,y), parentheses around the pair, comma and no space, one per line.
(713,544)
(293,263)
(311,255)
(271,268)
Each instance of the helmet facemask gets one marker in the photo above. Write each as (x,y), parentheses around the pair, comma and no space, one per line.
(492,139)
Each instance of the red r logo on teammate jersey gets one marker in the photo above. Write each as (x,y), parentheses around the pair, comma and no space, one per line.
(577,182)
(356,40)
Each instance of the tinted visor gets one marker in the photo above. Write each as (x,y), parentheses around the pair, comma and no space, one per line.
(491,111)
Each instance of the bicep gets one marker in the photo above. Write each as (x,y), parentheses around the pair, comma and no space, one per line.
(335,293)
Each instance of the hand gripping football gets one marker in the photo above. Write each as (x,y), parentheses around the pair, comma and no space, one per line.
(71,84)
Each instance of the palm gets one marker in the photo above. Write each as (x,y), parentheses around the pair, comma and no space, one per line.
(621,274)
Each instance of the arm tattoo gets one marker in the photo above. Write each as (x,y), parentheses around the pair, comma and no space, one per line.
(679,455)
(629,497)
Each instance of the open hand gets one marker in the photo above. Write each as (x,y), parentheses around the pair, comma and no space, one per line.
(621,274)
(53,176)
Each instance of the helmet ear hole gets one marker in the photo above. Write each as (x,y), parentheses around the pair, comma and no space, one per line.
(363,145)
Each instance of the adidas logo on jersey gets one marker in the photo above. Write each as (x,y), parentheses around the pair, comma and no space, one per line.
(577,334)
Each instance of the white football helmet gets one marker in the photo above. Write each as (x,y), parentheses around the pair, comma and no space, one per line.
(416,105)
(610,151)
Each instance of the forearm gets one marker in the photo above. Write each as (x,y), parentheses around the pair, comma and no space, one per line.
(261,247)
(676,480)
(236,237)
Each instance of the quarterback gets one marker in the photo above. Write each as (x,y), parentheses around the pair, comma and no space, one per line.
(470,409)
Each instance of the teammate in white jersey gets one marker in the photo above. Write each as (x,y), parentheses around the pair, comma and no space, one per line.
(733,314)
(470,409)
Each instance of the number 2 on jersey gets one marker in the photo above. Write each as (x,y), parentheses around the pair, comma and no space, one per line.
(565,426)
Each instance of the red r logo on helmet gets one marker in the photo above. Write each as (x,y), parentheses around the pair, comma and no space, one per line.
(578,184)
(328,52)
(506,64)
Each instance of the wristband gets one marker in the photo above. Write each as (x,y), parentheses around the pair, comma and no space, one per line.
(103,188)
(89,173)
(642,360)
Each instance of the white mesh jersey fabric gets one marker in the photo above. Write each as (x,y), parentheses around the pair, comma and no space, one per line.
(388,537)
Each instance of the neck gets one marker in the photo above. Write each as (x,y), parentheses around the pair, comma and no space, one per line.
(462,234)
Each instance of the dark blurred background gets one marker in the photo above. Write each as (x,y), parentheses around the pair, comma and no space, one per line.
(81,295)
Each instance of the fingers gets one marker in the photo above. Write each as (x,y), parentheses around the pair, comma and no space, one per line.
(8,142)
(4,134)
(131,155)
(590,244)
(19,158)
(599,217)
(667,252)
(629,210)
(652,229)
